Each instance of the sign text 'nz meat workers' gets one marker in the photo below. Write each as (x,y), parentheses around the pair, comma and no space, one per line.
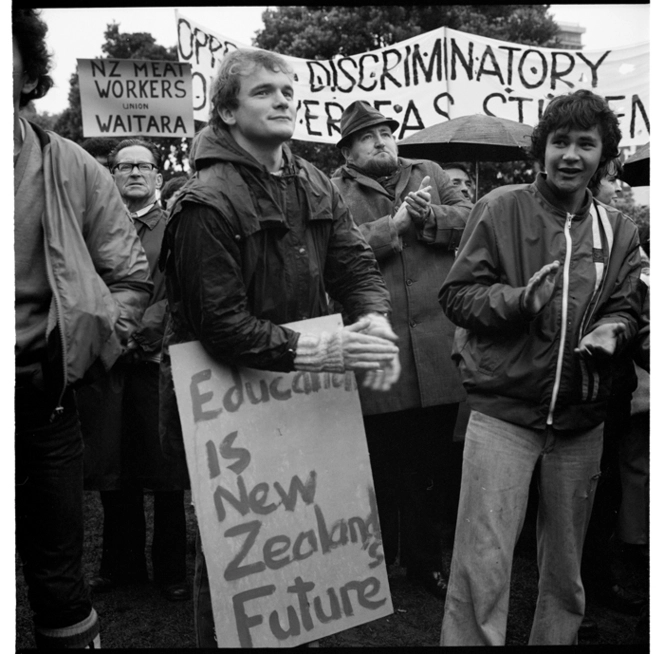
(128,97)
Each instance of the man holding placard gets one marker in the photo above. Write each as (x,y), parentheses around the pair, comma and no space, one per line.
(258,238)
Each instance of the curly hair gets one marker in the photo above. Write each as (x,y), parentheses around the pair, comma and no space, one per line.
(583,110)
(29,34)
(612,167)
(127,143)
(235,65)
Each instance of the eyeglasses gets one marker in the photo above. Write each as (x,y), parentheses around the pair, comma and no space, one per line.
(125,168)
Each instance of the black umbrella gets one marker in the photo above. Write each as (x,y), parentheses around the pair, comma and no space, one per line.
(470,138)
(636,171)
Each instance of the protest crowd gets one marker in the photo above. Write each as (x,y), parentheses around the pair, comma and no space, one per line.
(512,327)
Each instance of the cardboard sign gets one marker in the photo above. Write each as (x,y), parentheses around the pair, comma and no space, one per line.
(131,97)
(281,481)
(439,75)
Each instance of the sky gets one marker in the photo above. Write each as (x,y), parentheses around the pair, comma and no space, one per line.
(79,33)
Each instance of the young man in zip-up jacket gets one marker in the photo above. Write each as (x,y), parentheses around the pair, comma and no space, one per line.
(544,292)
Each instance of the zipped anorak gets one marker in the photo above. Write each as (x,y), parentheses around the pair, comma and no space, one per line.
(520,368)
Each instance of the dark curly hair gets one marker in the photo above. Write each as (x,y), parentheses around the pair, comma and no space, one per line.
(235,65)
(584,110)
(611,167)
(29,34)
(127,143)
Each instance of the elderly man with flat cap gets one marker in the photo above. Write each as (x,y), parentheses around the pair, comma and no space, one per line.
(412,216)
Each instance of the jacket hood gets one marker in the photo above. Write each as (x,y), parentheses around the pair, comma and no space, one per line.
(212,146)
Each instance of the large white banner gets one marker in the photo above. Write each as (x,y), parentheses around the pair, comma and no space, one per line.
(440,75)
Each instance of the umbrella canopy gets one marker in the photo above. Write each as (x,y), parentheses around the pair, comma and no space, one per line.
(470,138)
(637,167)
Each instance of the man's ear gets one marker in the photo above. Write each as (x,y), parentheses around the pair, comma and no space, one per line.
(160,180)
(345,151)
(226,115)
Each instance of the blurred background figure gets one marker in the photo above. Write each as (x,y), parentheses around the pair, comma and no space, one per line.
(623,485)
(120,415)
(100,148)
(460,179)
(171,189)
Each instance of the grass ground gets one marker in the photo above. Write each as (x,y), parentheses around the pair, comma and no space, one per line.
(139,617)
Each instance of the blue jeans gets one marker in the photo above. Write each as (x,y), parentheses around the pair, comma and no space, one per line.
(498,462)
(49,511)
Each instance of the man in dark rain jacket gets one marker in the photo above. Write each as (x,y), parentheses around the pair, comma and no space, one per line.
(258,238)
(544,290)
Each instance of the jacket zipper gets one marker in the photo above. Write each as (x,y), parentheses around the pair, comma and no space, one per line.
(58,410)
(565,307)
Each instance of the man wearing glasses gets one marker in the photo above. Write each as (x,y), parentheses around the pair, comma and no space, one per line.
(119,414)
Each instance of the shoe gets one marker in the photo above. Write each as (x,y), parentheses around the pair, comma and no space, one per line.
(588,628)
(101,584)
(621,600)
(177,592)
(432,581)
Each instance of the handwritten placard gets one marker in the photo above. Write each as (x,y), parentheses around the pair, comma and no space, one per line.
(282,485)
(130,97)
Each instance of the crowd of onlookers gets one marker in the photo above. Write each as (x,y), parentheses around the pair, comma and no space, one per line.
(520,321)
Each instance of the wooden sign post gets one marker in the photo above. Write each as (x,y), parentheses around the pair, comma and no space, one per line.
(284,498)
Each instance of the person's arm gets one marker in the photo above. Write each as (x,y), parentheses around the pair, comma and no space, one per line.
(352,276)
(617,320)
(147,339)
(473,295)
(440,223)
(116,251)
(214,301)
(382,233)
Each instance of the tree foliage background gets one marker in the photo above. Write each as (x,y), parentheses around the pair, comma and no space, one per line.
(117,45)
(315,32)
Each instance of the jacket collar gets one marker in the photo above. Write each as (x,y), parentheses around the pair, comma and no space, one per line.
(149,215)
(550,197)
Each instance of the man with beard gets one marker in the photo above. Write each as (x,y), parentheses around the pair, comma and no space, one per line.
(412,217)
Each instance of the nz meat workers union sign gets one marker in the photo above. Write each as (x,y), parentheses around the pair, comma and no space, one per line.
(281,481)
(439,75)
(130,97)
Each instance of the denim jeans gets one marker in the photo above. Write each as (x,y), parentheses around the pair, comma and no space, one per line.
(498,462)
(49,511)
